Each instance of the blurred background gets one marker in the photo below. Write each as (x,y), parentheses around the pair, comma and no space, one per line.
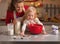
(47,10)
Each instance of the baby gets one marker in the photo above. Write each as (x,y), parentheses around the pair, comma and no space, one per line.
(31,18)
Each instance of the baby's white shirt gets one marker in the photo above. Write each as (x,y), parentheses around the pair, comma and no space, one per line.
(35,21)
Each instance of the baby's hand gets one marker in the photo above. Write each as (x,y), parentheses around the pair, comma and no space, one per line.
(45,33)
(22,34)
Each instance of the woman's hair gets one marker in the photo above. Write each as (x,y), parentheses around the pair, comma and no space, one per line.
(12,5)
(30,9)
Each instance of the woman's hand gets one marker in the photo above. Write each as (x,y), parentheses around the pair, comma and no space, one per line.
(14,21)
(23,9)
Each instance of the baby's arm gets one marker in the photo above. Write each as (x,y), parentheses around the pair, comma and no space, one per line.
(23,28)
(38,22)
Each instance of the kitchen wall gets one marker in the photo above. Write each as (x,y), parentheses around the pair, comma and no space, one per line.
(4,6)
(51,7)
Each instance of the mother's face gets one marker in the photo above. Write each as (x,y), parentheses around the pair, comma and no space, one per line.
(19,6)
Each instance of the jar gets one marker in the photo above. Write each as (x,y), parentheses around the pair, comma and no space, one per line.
(10,27)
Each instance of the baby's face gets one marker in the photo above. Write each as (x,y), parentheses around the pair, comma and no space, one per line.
(30,16)
(19,6)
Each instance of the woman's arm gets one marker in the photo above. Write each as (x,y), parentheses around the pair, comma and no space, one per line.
(9,17)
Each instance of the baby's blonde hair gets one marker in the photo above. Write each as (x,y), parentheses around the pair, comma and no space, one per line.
(30,9)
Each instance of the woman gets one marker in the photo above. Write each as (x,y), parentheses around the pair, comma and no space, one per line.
(15,13)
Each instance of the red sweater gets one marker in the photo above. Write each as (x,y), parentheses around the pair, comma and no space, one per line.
(10,15)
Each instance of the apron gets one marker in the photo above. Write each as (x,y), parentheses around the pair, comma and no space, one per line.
(18,18)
